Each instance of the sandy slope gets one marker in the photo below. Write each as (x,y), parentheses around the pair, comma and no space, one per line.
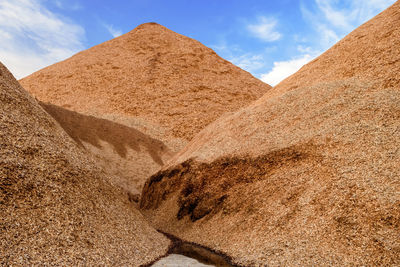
(308,174)
(56,207)
(157,82)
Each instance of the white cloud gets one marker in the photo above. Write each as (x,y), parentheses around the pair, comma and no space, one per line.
(305,49)
(265,29)
(283,69)
(249,62)
(333,19)
(339,18)
(360,10)
(330,21)
(114,32)
(326,36)
(33,37)
(67,5)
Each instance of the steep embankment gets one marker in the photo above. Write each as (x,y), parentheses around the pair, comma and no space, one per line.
(163,84)
(56,207)
(308,174)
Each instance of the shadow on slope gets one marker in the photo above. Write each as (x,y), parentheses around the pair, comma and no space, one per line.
(89,129)
(56,207)
(204,187)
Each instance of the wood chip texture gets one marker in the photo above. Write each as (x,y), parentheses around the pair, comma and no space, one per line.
(56,207)
(165,86)
(309,174)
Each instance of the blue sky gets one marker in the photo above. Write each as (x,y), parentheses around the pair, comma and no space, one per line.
(270,39)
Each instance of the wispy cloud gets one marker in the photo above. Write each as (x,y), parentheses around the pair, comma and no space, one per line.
(333,19)
(68,5)
(265,29)
(337,17)
(283,69)
(113,31)
(330,20)
(251,62)
(33,37)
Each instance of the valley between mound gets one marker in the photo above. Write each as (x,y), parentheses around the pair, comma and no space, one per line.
(306,175)
(136,100)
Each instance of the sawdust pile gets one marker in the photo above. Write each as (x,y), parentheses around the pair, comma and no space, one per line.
(151,73)
(162,84)
(308,174)
(56,207)
(126,153)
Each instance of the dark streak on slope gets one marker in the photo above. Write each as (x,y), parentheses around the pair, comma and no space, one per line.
(89,129)
(204,187)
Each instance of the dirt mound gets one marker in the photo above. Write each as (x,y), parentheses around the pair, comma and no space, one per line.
(56,207)
(308,174)
(153,80)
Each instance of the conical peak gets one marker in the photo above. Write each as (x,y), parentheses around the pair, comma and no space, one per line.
(149,24)
(144,73)
(149,27)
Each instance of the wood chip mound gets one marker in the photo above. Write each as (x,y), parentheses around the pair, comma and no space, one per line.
(308,175)
(56,206)
(163,86)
